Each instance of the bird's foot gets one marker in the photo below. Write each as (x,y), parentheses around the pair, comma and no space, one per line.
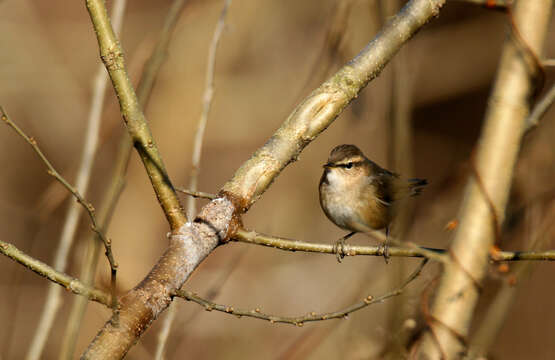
(384,250)
(339,247)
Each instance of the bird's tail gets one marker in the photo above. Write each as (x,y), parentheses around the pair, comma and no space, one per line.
(416,186)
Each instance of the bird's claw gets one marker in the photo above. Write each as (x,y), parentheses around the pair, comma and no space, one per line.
(339,249)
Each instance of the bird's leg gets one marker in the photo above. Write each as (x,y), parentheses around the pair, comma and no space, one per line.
(386,245)
(339,247)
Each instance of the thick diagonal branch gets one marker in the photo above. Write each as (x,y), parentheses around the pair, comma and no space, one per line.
(325,103)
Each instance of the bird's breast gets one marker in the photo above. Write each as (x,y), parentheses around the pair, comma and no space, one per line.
(351,206)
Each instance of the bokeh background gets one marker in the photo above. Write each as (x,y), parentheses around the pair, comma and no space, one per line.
(272,54)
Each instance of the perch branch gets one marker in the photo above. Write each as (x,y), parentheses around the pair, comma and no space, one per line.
(252,237)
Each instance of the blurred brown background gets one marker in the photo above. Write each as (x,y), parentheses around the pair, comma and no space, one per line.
(272,54)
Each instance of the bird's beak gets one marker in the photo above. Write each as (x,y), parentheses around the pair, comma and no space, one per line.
(327,165)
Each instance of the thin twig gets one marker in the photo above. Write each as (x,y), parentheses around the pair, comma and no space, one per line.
(112,195)
(58,277)
(133,116)
(300,320)
(249,236)
(197,194)
(197,150)
(206,106)
(52,171)
(252,237)
(88,271)
(540,109)
(53,297)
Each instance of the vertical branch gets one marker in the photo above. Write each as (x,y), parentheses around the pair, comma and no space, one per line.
(112,195)
(112,56)
(400,157)
(197,148)
(496,155)
(206,105)
(53,298)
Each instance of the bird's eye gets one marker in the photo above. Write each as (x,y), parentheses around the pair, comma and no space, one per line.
(348,165)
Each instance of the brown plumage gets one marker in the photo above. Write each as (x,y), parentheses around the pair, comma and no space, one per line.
(358,195)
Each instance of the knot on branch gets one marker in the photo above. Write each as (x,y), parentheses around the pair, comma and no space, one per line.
(216,223)
(113,59)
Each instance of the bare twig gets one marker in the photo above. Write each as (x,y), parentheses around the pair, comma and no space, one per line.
(197,149)
(540,109)
(197,194)
(53,297)
(58,277)
(112,195)
(300,320)
(75,318)
(497,152)
(113,58)
(52,171)
(206,106)
(252,237)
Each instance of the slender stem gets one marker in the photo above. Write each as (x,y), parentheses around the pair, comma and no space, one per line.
(80,199)
(300,320)
(252,237)
(206,106)
(137,126)
(197,194)
(53,297)
(112,195)
(540,109)
(197,149)
(58,277)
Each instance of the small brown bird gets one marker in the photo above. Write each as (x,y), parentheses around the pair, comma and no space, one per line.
(358,195)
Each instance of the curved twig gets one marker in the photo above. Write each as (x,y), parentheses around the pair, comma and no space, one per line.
(300,320)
